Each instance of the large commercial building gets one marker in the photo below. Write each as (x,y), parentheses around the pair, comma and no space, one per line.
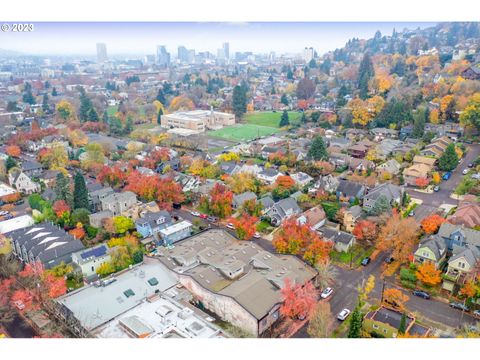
(237,280)
(163,56)
(197,120)
(102,52)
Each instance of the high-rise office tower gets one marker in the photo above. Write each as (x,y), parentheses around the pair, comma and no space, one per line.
(102,52)
(163,56)
(182,54)
(226,50)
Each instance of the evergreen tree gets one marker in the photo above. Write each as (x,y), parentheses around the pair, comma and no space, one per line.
(105,118)
(93,115)
(318,150)
(161,97)
(10,163)
(45,105)
(128,126)
(28,97)
(419,123)
(380,206)
(159,116)
(304,119)
(54,91)
(80,193)
(342,92)
(355,330)
(403,324)
(115,126)
(284,100)
(449,160)
(365,73)
(312,64)
(239,101)
(284,121)
(85,105)
(289,74)
(62,188)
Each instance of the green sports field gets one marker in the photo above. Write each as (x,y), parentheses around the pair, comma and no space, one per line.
(243,132)
(271,119)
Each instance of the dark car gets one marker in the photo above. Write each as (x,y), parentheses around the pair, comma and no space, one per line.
(470,165)
(20,202)
(447,175)
(422,294)
(177,206)
(366,261)
(389,260)
(212,219)
(459,306)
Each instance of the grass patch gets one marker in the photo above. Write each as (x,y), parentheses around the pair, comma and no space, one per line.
(356,254)
(72,284)
(271,119)
(264,227)
(243,132)
(111,110)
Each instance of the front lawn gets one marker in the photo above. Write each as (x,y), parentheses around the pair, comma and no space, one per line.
(270,118)
(356,254)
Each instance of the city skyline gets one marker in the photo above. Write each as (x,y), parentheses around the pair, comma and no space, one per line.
(143,38)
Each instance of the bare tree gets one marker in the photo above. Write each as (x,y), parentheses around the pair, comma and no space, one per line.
(321,321)
(326,274)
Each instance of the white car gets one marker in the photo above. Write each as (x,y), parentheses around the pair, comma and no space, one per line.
(195,213)
(230,226)
(342,315)
(326,293)
(3,213)
(256,235)
(465,171)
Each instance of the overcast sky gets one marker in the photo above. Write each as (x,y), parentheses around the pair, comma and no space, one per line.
(142,38)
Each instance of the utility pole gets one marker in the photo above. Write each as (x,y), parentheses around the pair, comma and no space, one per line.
(383,289)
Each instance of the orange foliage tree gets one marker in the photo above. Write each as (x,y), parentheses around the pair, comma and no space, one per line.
(431,223)
(113,176)
(395,298)
(297,300)
(13,151)
(421,182)
(60,207)
(428,275)
(245,226)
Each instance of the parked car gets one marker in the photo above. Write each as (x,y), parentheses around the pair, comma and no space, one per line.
(212,219)
(447,175)
(470,165)
(476,313)
(411,213)
(366,261)
(8,217)
(3,213)
(256,235)
(422,294)
(465,171)
(203,216)
(326,293)
(436,188)
(195,213)
(19,202)
(342,315)
(459,306)
(230,226)
(389,260)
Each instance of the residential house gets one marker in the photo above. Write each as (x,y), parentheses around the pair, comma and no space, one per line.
(391,166)
(384,133)
(351,216)
(282,210)
(437,147)
(462,262)
(386,148)
(458,235)
(314,217)
(117,203)
(393,193)
(237,280)
(150,223)
(173,233)
(173,164)
(240,199)
(95,197)
(342,241)
(22,182)
(385,322)
(358,150)
(416,171)
(229,167)
(349,191)
(472,73)
(88,260)
(269,175)
(136,210)
(97,219)
(49,177)
(467,214)
(32,168)
(301,179)
(267,203)
(432,249)
(329,183)
(45,243)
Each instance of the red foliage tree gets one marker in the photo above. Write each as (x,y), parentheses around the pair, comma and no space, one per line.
(113,176)
(60,207)
(245,226)
(365,230)
(95,127)
(421,182)
(297,300)
(285,182)
(156,157)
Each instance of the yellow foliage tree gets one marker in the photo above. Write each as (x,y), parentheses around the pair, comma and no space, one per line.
(436,178)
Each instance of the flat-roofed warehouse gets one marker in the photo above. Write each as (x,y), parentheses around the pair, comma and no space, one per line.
(237,280)
(197,120)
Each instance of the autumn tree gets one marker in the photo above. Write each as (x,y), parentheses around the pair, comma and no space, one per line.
(245,226)
(220,203)
(365,230)
(13,151)
(421,182)
(297,300)
(400,236)
(471,114)
(428,275)
(65,111)
(395,298)
(432,223)
(112,175)
(320,321)
(60,207)
(242,182)
(305,88)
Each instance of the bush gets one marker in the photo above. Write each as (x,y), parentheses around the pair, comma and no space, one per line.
(407,284)
(408,275)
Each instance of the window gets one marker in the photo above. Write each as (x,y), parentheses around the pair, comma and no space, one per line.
(461,265)
(375,326)
(384,331)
